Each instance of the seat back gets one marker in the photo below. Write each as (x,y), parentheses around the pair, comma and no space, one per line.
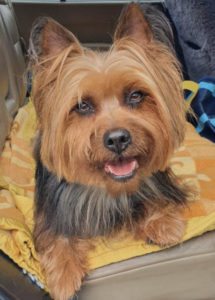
(12,68)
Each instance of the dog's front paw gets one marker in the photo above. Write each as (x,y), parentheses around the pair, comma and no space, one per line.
(63,286)
(64,267)
(165,229)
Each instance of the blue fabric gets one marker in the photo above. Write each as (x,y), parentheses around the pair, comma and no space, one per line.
(203,105)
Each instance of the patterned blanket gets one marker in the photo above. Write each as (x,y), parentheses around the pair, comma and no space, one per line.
(195,161)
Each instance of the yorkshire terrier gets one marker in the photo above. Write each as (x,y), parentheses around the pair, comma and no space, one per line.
(109,124)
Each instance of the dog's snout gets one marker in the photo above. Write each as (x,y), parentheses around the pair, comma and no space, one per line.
(117,140)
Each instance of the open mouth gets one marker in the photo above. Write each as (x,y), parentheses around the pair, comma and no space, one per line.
(122,170)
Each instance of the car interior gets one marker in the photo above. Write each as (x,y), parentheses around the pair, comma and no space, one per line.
(185,271)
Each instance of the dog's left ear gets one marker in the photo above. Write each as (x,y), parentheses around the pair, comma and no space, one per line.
(133,26)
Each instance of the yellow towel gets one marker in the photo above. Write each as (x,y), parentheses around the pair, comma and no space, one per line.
(195,160)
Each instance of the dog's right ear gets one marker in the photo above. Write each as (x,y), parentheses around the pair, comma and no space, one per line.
(133,25)
(49,38)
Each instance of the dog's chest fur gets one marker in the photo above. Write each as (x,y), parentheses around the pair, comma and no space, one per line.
(77,210)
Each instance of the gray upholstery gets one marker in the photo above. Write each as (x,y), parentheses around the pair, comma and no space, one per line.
(12,67)
(195,23)
(184,272)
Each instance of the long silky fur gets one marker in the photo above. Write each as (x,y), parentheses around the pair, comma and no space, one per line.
(78,211)
(75,201)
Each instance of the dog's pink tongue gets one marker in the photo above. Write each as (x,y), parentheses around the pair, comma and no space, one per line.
(122,167)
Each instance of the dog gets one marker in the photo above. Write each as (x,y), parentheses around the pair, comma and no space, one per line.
(109,124)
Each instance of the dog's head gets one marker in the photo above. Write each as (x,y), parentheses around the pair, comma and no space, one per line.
(108,118)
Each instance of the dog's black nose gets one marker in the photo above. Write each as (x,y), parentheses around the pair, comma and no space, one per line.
(117,140)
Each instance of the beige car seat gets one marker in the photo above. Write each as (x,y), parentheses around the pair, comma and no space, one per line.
(12,67)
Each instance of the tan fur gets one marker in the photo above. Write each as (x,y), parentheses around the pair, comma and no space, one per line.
(101,76)
(64,266)
(164,227)
(72,147)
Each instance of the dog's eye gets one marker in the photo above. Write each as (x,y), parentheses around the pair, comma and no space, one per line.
(84,108)
(136,96)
